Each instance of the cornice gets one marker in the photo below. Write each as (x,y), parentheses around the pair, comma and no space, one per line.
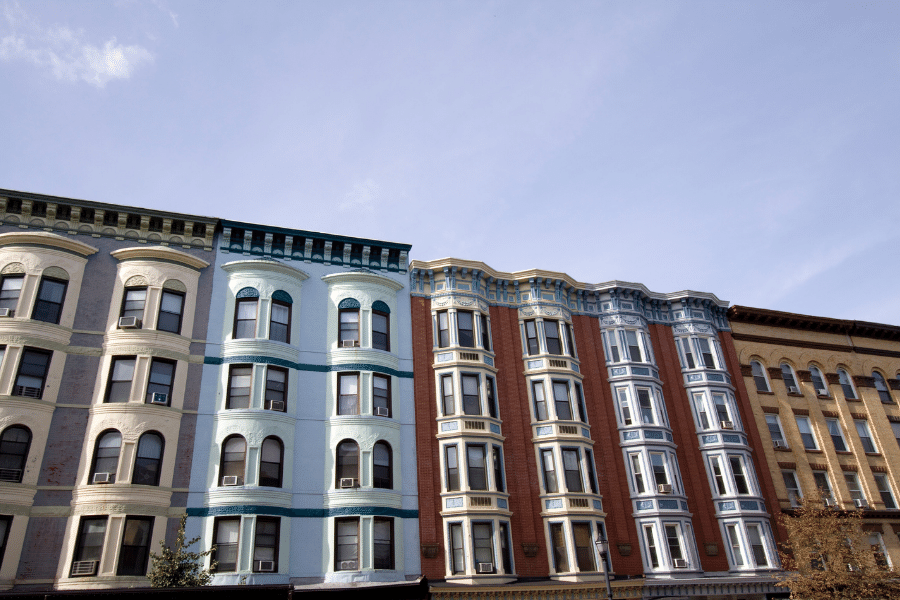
(50,240)
(159,253)
(359,276)
(786,320)
(272,266)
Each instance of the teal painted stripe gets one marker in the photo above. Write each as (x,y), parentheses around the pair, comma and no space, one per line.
(309,513)
(271,360)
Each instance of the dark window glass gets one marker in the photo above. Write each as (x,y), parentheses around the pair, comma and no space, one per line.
(48,307)
(381,339)
(634,348)
(466,328)
(882,388)
(646,406)
(561,400)
(531,338)
(349,330)
(706,353)
(383,547)
(5,526)
(245,318)
(14,445)
(550,483)
(447,395)
(63,212)
(14,205)
(584,547)
(270,460)
(162,374)
(121,373)
(265,545)
(177,227)
(570,341)
(483,546)
(381,395)
(32,373)
(10,288)
(476,467)
(89,545)
(346,544)
(659,469)
(579,398)
(234,453)
(592,473)
(133,303)
(106,457)
(505,548)
(155,224)
(457,552)
(551,332)
(280,327)
(498,469)
(227,539)
(673,542)
(348,394)
(471,396)
(149,459)
(382,474)
(558,541)
(170,309)
(452,462)
(276,387)
(239,378)
(347,463)
(572,468)
(135,551)
(540,402)
(133,221)
(688,353)
(443,329)
(198,230)
(485,332)
(491,397)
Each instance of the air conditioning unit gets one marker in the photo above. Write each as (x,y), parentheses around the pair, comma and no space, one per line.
(861,503)
(129,323)
(485,567)
(28,392)
(679,563)
(822,392)
(348,482)
(158,398)
(382,411)
(348,565)
(82,568)
(727,424)
(230,480)
(828,502)
(6,312)
(265,566)
(102,478)
(277,405)
(664,488)
(778,444)
(792,389)
(349,343)
(14,475)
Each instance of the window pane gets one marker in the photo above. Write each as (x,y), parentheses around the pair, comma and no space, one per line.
(239,387)
(170,310)
(10,290)
(380,331)
(133,305)
(482,541)
(383,538)
(227,537)
(121,375)
(161,376)
(135,546)
(551,333)
(584,547)
(561,400)
(148,459)
(558,540)
(48,307)
(465,329)
(476,467)
(348,402)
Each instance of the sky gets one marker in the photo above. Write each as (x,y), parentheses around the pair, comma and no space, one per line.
(747,149)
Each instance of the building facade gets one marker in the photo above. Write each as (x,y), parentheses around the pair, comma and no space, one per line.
(551,412)
(824,396)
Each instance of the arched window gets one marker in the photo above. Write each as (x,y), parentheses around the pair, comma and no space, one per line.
(846,384)
(881,386)
(818,380)
(245,308)
(106,457)
(149,459)
(280,322)
(759,377)
(790,382)
(234,455)
(348,313)
(382,476)
(347,472)
(14,445)
(381,326)
(270,461)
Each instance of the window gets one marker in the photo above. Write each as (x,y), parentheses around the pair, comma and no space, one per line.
(497,458)
(106,457)
(894,426)
(457,554)
(381,395)
(88,546)
(624,406)
(584,547)
(280,322)
(485,332)
(882,388)
(451,461)
(723,412)
(133,303)
(483,546)
(737,471)
(475,467)
(265,545)
(347,472)
(806,434)
(658,462)
(383,543)
(491,397)
(245,318)
(718,476)
(227,537)
(171,307)
(706,352)
(383,471)
(443,329)
(646,406)
(540,402)
(48,307)
(734,541)
(159,387)
(271,458)
(5,526)
(775,431)
(10,288)
(349,327)
(551,334)
(505,548)
(793,488)
(790,382)
(638,473)
(865,436)
(276,388)
(550,484)
(687,353)
(348,399)
(757,545)
(346,544)
(821,480)
(881,482)
(853,487)
(837,436)
(579,399)
(14,445)
(561,400)
(650,537)
(700,405)
(447,395)
(470,395)
(570,340)
(32,373)
(612,341)
(558,543)
(135,551)
(673,541)
(759,377)
(531,338)
(148,460)
(381,330)
(878,551)
(234,453)
(818,380)
(121,373)
(846,384)
(634,347)
(572,469)
(239,378)
(591,472)
(465,328)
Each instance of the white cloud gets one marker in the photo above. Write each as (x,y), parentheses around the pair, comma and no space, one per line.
(65,53)
(362,198)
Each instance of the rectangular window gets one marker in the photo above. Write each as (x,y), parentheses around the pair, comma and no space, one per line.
(706,353)
(718,476)
(10,289)
(540,402)
(737,471)
(245,318)
(159,386)
(135,552)
(483,546)
(497,457)
(775,430)
(171,307)
(457,553)
(561,400)
(121,373)
(505,548)
(787,374)
(383,543)
(723,414)
(447,395)
(806,434)
(5,525)
(133,303)
(280,322)
(579,400)
(531,338)
(227,538)
(592,473)
(265,545)
(451,459)
(793,488)
(558,541)
(48,307)
(634,347)
(896,428)
(276,388)
(443,329)
(673,541)
(734,541)
(381,395)
(650,536)
(837,436)
(491,397)
(89,546)
(572,468)
(348,399)
(876,543)
(646,406)
(638,473)
(584,547)
(624,406)
(470,395)
(700,404)
(687,353)
(821,479)
(853,486)
(485,332)
(475,467)
(757,545)
(239,378)
(349,327)
(551,333)
(884,488)
(32,373)
(612,341)
(570,341)
(550,484)
(658,462)
(346,544)
(865,436)
(465,328)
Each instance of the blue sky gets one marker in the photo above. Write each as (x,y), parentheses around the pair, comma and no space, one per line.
(747,149)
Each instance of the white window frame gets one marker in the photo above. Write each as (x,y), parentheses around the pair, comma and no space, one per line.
(862,428)
(795,494)
(773,421)
(754,364)
(847,382)
(836,432)
(816,373)
(809,431)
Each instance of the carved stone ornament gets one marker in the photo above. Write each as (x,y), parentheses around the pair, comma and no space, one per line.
(544,311)
(11,268)
(613,320)
(99,509)
(686,328)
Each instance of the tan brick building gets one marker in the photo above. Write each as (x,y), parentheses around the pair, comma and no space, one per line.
(824,396)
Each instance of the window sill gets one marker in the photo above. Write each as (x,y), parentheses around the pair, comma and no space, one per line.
(783,449)
(847,452)
(873,453)
(810,451)
(824,397)
(852,399)
(795,395)
(766,393)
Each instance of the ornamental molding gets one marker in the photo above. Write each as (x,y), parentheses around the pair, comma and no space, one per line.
(544,310)
(613,320)
(160,253)
(251,267)
(461,300)
(362,277)
(30,238)
(688,328)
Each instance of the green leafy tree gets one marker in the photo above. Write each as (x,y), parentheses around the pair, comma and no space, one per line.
(178,567)
(828,556)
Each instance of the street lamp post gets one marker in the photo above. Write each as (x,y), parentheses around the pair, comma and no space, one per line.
(603,549)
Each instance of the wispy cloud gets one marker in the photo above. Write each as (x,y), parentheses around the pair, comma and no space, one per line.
(162,6)
(65,53)
(362,198)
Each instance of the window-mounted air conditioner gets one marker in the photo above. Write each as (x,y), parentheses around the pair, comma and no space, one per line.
(265,566)
(822,392)
(381,411)
(348,482)
(828,502)
(727,424)
(349,343)
(129,323)
(679,563)
(230,480)
(348,565)
(14,475)
(485,567)
(159,398)
(82,568)
(277,405)
(778,444)
(102,478)
(861,503)
(792,389)
(6,312)
(664,488)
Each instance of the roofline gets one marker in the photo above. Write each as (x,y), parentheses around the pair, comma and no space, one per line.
(787,320)
(315,235)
